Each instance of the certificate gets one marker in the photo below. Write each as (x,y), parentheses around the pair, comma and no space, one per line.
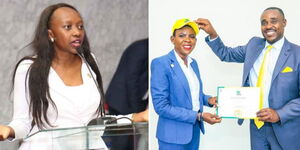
(238,102)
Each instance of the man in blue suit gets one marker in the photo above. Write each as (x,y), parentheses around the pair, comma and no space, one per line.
(177,92)
(281,101)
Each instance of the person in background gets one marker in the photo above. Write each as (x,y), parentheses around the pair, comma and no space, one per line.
(127,92)
(271,63)
(177,92)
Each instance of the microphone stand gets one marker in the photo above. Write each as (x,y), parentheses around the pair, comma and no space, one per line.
(103,118)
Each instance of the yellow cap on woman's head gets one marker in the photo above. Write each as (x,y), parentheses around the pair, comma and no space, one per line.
(182,22)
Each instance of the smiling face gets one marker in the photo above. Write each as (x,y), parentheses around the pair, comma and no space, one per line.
(184,41)
(272,25)
(66,28)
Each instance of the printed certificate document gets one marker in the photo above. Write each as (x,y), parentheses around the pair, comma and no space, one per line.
(238,102)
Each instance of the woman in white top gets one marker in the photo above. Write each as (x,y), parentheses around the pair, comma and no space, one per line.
(53,88)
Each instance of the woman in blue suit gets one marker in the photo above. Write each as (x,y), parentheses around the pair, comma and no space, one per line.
(177,92)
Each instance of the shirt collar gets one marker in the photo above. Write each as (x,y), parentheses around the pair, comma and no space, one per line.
(277,45)
(180,60)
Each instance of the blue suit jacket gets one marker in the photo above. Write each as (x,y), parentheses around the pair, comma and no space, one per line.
(172,101)
(284,91)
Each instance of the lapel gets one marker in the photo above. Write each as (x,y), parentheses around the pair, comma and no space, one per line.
(175,67)
(253,55)
(195,68)
(284,54)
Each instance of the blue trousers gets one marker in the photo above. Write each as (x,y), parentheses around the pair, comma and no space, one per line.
(192,145)
(263,138)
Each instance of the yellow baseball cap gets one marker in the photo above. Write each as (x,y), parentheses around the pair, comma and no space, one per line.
(182,22)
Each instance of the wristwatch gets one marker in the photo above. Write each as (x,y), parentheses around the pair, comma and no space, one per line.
(199,116)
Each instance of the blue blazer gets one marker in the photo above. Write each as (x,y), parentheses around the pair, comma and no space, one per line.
(172,101)
(284,96)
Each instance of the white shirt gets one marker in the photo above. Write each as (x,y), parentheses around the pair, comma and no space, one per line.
(76,106)
(192,80)
(271,62)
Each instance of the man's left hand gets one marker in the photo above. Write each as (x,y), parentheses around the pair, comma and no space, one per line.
(268,115)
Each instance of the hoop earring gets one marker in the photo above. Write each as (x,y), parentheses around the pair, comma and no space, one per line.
(52,39)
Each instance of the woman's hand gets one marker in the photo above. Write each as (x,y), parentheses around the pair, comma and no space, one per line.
(210,118)
(6,132)
(213,101)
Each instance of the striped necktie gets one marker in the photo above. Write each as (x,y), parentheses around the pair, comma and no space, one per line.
(260,84)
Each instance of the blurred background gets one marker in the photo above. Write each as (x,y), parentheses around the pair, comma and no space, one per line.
(111,26)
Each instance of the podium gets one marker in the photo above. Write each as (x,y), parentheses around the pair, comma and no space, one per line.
(94,137)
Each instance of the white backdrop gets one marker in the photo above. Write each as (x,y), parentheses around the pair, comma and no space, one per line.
(236,21)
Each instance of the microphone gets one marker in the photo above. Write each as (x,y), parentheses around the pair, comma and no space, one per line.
(103,118)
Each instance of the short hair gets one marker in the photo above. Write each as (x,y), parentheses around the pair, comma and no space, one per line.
(276,8)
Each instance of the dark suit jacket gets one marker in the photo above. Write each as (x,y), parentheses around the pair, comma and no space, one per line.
(284,96)
(130,81)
